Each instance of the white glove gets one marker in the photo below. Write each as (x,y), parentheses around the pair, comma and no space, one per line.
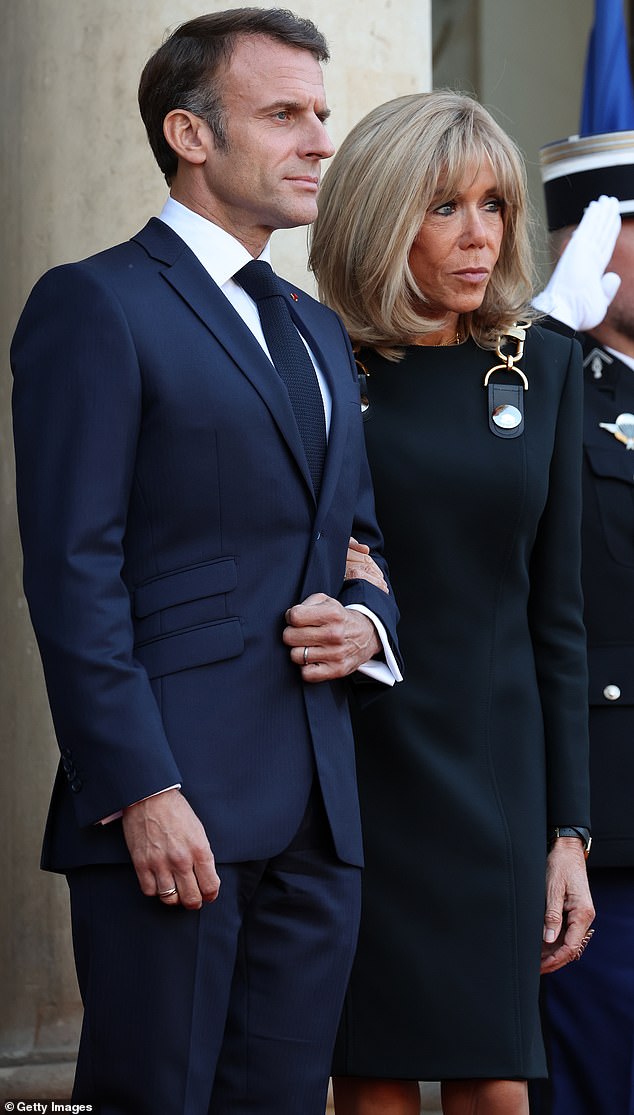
(579,293)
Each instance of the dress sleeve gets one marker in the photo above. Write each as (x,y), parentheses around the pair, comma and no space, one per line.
(556,613)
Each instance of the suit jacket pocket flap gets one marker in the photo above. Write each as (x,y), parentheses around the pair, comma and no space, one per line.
(612,461)
(195,646)
(208,579)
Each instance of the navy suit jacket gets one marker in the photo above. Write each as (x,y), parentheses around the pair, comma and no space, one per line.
(168,521)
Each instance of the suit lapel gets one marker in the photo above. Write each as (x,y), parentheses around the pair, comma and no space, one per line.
(186,275)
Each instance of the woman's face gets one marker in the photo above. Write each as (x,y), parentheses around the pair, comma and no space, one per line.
(458,245)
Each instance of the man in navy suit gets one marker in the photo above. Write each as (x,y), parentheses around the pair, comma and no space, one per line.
(187,584)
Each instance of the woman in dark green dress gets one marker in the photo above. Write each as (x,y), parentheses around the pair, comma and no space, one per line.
(469,769)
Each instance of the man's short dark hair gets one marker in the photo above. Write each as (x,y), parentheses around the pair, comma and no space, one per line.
(185,72)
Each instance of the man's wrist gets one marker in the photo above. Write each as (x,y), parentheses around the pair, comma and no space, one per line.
(386,671)
(120,812)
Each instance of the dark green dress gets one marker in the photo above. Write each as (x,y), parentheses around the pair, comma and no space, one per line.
(464,766)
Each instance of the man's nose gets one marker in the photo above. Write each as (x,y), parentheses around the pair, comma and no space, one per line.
(318,142)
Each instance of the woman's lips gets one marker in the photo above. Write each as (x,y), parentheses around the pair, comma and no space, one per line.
(472,274)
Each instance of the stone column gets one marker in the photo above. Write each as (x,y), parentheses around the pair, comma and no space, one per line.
(78,176)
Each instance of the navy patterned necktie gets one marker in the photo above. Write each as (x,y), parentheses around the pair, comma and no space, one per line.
(291,359)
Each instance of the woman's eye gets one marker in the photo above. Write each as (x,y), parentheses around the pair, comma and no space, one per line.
(446,209)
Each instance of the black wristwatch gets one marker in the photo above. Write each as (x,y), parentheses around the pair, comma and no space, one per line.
(579,831)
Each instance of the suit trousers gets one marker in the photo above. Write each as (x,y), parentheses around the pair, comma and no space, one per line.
(229,1010)
(588,1012)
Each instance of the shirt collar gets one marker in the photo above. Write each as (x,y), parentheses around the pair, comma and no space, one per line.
(219,252)
(629,360)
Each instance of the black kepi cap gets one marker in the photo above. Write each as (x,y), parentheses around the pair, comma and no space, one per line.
(577,170)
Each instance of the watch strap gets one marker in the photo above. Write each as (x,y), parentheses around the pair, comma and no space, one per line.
(578,831)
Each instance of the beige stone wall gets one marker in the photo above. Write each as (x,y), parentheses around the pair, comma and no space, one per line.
(78,176)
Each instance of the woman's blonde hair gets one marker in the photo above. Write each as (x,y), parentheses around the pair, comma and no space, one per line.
(372,203)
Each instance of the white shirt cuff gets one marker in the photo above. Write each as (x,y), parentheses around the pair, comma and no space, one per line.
(386,672)
(119,813)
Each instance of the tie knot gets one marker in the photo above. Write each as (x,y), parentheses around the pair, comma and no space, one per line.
(259,280)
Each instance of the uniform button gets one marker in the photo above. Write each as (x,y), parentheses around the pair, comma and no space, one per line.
(76,785)
(612,692)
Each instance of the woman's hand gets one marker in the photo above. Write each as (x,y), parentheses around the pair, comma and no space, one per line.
(359,565)
(569,909)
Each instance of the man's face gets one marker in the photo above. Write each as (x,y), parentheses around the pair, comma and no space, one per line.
(620,315)
(275,109)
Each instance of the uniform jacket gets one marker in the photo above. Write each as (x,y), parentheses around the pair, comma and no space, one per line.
(168,521)
(608,587)
(608,583)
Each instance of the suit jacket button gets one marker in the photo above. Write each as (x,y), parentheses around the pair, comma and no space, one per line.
(76,785)
(612,692)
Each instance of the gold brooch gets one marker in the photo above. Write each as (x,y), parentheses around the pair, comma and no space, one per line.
(506,399)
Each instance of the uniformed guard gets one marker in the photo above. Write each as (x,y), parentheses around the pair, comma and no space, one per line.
(588,1007)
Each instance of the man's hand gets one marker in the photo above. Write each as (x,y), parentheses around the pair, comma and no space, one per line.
(569,909)
(327,640)
(169,849)
(580,290)
(360,565)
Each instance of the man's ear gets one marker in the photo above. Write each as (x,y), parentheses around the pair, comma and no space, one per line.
(187,135)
